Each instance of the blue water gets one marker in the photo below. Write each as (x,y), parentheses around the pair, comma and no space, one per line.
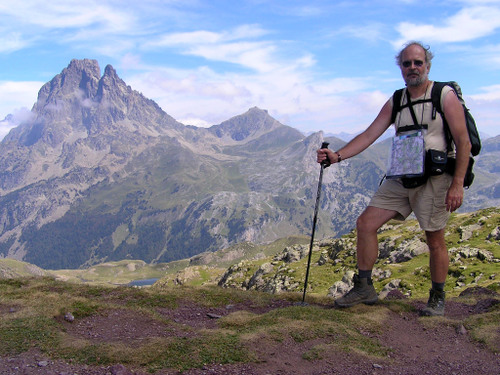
(143,282)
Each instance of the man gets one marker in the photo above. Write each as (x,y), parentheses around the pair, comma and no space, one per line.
(432,202)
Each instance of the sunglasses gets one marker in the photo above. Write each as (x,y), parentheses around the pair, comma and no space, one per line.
(417,63)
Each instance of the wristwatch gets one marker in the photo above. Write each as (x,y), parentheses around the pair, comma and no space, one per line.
(339,158)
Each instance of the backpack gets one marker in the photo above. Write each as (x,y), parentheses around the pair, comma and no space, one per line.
(436,104)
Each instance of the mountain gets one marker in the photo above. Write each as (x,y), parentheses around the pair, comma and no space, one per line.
(101,173)
(485,190)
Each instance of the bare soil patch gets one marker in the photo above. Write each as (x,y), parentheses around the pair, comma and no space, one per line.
(416,347)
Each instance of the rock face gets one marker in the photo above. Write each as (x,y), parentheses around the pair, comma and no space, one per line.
(84,131)
(101,173)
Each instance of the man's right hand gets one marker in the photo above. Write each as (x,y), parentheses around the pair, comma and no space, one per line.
(326,157)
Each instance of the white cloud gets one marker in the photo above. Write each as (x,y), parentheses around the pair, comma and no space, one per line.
(5,127)
(188,38)
(491,93)
(254,55)
(131,61)
(15,99)
(13,41)
(204,97)
(209,37)
(233,46)
(468,24)
(67,14)
(371,31)
(97,26)
(487,56)
(17,94)
(268,64)
(17,117)
(246,31)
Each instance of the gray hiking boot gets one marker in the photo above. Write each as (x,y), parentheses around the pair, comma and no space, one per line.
(435,304)
(362,292)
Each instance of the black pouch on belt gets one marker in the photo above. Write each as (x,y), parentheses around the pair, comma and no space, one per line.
(435,162)
(413,182)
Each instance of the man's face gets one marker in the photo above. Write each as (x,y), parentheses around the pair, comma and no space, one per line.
(414,69)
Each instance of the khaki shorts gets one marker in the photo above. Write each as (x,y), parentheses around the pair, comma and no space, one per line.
(426,201)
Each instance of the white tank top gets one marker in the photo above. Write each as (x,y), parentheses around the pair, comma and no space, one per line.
(434,135)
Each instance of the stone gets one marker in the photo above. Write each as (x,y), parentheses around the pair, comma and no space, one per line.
(69,317)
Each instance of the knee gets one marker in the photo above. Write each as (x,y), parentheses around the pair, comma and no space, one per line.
(436,242)
(373,218)
(437,249)
(364,224)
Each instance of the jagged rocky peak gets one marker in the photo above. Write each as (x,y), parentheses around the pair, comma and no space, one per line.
(80,75)
(111,84)
(256,114)
(314,140)
(254,122)
(81,80)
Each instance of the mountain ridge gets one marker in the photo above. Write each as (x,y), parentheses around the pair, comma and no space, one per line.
(101,173)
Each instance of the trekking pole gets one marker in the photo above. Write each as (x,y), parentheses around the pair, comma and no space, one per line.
(315,219)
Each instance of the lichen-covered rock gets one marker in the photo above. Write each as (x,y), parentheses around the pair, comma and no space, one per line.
(392,285)
(341,287)
(494,235)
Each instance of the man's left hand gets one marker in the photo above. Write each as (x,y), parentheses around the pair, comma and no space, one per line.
(454,197)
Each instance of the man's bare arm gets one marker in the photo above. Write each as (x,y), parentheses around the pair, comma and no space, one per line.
(454,115)
(363,140)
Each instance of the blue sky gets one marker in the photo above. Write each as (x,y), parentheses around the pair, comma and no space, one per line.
(314,65)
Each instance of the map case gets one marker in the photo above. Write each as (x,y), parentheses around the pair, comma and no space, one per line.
(407,157)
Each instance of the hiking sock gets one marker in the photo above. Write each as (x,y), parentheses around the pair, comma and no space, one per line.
(365,274)
(438,286)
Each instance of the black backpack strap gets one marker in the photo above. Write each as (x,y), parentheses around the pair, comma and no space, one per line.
(436,107)
(412,111)
(396,104)
(407,128)
(436,98)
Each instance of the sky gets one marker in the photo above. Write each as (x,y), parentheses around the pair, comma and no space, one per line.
(314,65)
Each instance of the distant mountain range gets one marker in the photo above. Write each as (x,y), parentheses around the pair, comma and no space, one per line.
(102,173)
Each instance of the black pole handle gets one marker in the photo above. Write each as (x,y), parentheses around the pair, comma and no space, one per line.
(326,162)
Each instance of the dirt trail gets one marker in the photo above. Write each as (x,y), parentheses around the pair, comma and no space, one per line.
(415,348)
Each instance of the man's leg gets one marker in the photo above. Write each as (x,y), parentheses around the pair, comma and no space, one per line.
(367,226)
(439,263)
(439,260)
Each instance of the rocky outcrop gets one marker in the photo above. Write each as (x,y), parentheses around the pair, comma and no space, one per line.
(494,235)
(292,254)
(339,288)
(10,269)
(338,257)
(402,252)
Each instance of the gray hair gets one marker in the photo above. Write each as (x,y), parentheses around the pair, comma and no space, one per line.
(428,54)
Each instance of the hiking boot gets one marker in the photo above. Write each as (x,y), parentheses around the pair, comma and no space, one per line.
(362,292)
(435,304)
